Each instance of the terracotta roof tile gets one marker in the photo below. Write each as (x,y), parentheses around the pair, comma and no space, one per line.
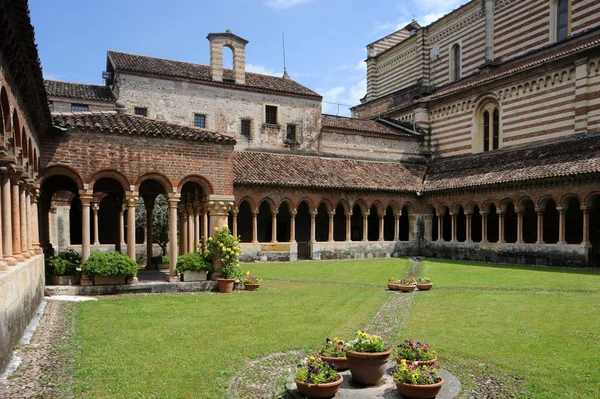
(56,88)
(361,125)
(257,168)
(111,122)
(186,70)
(575,155)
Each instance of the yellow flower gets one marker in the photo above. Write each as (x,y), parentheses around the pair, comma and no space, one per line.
(312,358)
(248,273)
(415,377)
(225,226)
(226,256)
(209,238)
(433,352)
(216,229)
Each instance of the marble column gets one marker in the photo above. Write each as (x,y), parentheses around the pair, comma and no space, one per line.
(349,226)
(313,229)
(173,200)
(520,228)
(7,242)
(274,226)
(586,226)
(500,226)
(366,226)
(190,226)
(121,228)
(149,205)
(454,227)
(331,226)
(540,226)
(441,227)
(3,264)
(254,226)
(219,207)
(469,237)
(30,221)
(183,233)
(293,225)
(16,218)
(85,196)
(197,236)
(23,219)
(35,196)
(381,219)
(562,226)
(397,226)
(95,209)
(484,232)
(234,228)
(132,200)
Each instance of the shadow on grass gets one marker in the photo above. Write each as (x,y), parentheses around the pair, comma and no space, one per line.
(552,269)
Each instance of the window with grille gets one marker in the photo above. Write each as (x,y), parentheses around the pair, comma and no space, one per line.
(562,21)
(291,133)
(246,125)
(200,120)
(271,114)
(79,107)
(142,111)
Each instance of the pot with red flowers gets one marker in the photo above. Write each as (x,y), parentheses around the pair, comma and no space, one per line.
(334,352)
(415,352)
(415,381)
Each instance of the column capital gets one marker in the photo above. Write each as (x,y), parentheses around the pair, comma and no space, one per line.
(274,212)
(366,214)
(294,212)
(331,213)
(561,209)
(235,210)
(132,199)
(173,199)
(349,213)
(85,196)
(219,204)
(313,214)
(95,207)
(499,211)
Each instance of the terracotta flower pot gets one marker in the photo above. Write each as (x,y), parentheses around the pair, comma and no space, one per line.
(410,391)
(319,390)
(407,288)
(419,362)
(251,287)
(424,287)
(342,363)
(225,285)
(367,368)
(393,287)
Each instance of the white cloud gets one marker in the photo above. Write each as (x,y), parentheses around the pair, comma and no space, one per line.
(431,17)
(339,99)
(285,4)
(257,68)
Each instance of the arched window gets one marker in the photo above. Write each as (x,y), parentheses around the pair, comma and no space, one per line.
(455,62)
(562,19)
(488,129)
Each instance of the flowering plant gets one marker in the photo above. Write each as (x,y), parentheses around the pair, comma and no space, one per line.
(250,279)
(393,280)
(424,280)
(316,371)
(417,374)
(414,351)
(333,348)
(367,343)
(407,281)
(227,248)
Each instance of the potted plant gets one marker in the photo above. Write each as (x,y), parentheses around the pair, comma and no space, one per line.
(65,268)
(317,378)
(251,283)
(415,352)
(415,381)
(107,268)
(226,248)
(393,284)
(195,266)
(334,352)
(424,284)
(407,284)
(161,261)
(367,355)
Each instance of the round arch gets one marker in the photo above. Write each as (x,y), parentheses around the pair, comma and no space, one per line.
(269,202)
(327,205)
(111,174)
(201,180)
(249,200)
(564,200)
(308,202)
(160,178)
(64,170)
(345,204)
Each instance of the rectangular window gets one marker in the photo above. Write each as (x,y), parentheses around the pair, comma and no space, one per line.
(486,131)
(456,62)
(200,120)
(271,114)
(562,20)
(79,107)
(142,111)
(291,133)
(246,124)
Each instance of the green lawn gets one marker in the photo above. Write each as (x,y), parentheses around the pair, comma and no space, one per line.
(501,321)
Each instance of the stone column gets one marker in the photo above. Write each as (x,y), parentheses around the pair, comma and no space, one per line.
(205,222)
(520,228)
(274,226)
(23,219)
(381,219)
(35,232)
(453,216)
(95,209)
(293,225)
(540,226)
(173,200)
(366,226)
(149,205)
(586,226)
(562,226)
(254,226)
(190,226)
(484,232)
(30,221)
(183,231)
(500,226)
(469,238)
(132,200)
(85,196)
(219,207)
(349,226)
(197,236)
(3,264)
(234,228)
(313,215)
(7,242)
(121,228)
(441,227)
(331,225)
(16,218)
(397,226)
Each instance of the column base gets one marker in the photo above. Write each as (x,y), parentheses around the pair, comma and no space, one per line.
(26,255)
(96,243)
(312,241)
(540,242)
(19,258)
(3,266)
(38,250)
(10,261)
(132,280)
(586,244)
(561,243)
(86,281)
(173,278)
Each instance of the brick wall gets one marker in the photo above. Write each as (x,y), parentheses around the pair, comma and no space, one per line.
(60,104)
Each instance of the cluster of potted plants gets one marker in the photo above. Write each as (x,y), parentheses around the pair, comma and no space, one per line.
(108,268)
(65,268)
(409,284)
(416,375)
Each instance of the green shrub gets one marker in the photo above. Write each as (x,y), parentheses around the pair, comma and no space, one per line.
(109,264)
(161,259)
(65,263)
(195,261)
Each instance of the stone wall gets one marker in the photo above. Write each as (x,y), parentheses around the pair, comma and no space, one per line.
(60,104)
(365,146)
(21,290)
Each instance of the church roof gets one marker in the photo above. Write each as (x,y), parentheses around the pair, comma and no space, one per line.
(267,169)
(56,88)
(185,70)
(112,122)
(361,125)
(573,156)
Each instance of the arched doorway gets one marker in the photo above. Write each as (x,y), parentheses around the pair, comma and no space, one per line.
(476,232)
(388,224)
(573,221)
(283,222)
(373,224)
(322,223)
(244,222)
(339,223)
(264,221)
(356,223)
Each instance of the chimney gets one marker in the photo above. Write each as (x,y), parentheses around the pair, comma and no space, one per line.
(237,46)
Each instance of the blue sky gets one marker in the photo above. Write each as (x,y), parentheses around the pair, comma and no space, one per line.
(325,39)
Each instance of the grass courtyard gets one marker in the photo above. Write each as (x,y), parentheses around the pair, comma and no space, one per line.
(535,328)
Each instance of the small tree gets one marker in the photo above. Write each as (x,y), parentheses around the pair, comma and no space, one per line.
(160,221)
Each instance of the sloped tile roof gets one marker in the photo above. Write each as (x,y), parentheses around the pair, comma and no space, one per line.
(360,125)
(575,155)
(112,122)
(56,88)
(522,63)
(268,169)
(178,69)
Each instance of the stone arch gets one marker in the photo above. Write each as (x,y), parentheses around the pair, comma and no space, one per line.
(111,174)
(542,202)
(345,204)
(476,222)
(327,205)
(264,220)
(394,205)
(509,212)
(57,170)
(5,106)
(378,207)
(591,198)
(322,221)
(269,202)
(303,220)
(566,198)
(308,202)
(373,222)
(445,232)
(284,215)
(249,200)
(340,224)
(16,128)
(490,212)
(460,220)
(206,185)
(486,131)
(528,220)
(357,222)
(389,221)
(361,204)
(244,219)
(24,144)
(573,219)
(159,177)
